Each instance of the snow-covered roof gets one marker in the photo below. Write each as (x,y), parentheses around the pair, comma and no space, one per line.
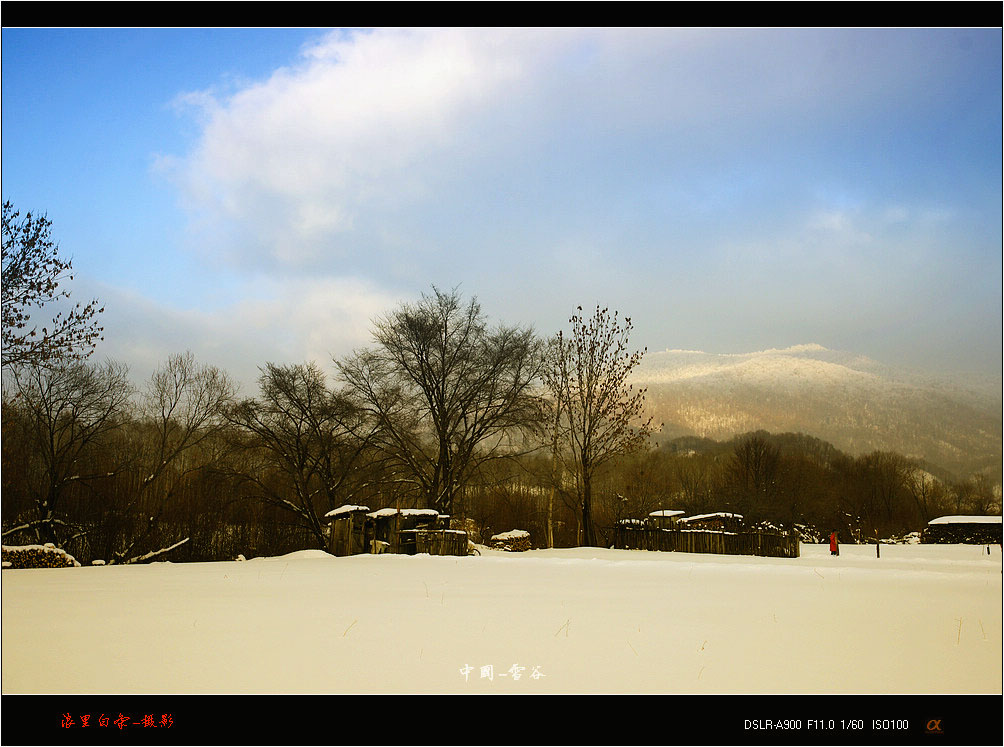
(966,520)
(512,534)
(667,512)
(380,513)
(346,509)
(631,522)
(718,515)
(47,547)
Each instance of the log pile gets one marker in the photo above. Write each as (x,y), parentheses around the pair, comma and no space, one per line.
(37,556)
(518,540)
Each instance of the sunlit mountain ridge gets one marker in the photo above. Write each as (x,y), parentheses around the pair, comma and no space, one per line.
(857,404)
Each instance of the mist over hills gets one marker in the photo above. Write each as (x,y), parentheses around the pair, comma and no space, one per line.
(849,400)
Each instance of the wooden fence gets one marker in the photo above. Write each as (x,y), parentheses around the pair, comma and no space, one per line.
(434,541)
(760,542)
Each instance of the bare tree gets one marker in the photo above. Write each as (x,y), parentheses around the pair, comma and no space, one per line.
(985,497)
(32,275)
(65,413)
(445,391)
(182,407)
(927,491)
(752,473)
(312,435)
(974,495)
(599,414)
(696,480)
(184,403)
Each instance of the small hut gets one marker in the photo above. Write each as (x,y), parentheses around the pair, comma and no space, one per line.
(972,530)
(397,526)
(347,530)
(353,530)
(665,519)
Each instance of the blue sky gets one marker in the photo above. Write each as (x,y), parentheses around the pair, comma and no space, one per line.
(260,195)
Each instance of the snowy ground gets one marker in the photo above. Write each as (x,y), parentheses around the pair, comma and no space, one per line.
(921,619)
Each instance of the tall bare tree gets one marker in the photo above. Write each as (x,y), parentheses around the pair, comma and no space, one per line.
(33,273)
(184,403)
(753,472)
(598,413)
(928,492)
(64,414)
(312,435)
(181,408)
(696,479)
(445,391)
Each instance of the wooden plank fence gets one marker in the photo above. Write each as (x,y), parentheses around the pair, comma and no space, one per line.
(771,544)
(438,541)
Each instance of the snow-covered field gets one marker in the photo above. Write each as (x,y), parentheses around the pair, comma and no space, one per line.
(920,619)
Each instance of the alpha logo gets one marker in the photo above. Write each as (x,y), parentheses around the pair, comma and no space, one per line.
(934,726)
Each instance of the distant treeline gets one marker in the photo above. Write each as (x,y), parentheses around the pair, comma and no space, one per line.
(185,471)
(785,480)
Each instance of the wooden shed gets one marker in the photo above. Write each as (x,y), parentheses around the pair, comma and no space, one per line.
(392,525)
(353,530)
(665,519)
(973,530)
(347,530)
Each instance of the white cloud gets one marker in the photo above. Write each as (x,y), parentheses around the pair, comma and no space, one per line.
(355,122)
(288,321)
(311,164)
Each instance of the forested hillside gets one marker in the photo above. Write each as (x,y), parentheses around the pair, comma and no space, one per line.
(848,400)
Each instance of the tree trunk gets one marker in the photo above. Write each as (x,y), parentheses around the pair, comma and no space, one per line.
(555,478)
(588,534)
(550,518)
(45,531)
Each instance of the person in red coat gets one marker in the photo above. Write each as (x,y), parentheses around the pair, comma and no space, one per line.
(834,549)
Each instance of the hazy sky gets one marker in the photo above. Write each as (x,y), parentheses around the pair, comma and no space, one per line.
(260,195)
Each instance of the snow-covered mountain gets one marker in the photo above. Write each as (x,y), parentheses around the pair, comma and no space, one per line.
(857,404)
